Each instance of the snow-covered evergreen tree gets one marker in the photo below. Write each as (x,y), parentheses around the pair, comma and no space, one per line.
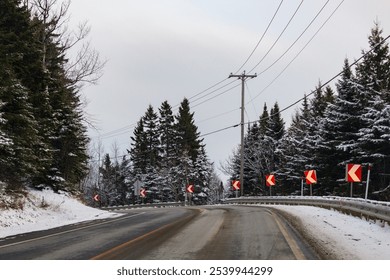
(295,150)
(373,75)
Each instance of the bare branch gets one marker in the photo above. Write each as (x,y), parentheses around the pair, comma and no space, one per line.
(86,67)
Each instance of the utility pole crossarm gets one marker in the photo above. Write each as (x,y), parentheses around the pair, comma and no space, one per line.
(243,77)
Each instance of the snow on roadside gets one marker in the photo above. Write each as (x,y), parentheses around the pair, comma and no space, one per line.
(44,210)
(347,236)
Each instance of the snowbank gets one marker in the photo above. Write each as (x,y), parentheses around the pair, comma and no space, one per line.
(46,209)
(344,236)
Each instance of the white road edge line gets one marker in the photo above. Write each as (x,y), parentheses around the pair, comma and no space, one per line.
(67,231)
(290,241)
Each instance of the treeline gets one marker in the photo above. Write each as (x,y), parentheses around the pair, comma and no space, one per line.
(331,129)
(43,140)
(165,155)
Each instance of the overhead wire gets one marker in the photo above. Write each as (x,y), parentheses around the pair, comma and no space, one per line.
(123,130)
(296,40)
(280,35)
(296,56)
(245,62)
(307,95)
(229,89)
(262,37)
(290,47)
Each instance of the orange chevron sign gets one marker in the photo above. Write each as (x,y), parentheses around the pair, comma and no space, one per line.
(270,180)
(353,173)
(311,177)
(236,185)
(190,188)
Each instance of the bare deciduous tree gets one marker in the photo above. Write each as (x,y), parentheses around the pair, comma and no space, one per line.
(86,66)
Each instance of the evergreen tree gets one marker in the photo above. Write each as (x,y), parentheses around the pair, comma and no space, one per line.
(338,131)
(19,63)
(138,151)
(21,128)
(168,157)
(152,137)
(373,71)
(373,74)
(275,124)
(187,132)
(294,150)
(167,133)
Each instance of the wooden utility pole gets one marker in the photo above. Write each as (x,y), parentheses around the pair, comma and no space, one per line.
(243,77)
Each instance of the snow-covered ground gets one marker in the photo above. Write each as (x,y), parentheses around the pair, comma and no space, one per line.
(346,236)
(46,209)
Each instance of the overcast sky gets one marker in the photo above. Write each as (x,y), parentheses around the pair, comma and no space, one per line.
(167,50)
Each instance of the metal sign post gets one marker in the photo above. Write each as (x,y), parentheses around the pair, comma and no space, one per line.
(368,181)
(351,191)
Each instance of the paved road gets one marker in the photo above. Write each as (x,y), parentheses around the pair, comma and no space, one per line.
(218,232)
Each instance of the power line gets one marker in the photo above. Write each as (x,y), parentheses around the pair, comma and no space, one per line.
(261,39)
(201,97)
(329,81)
(126,129)
(307,27)
(229,89)
(203,91)
(296,56)
(250,96)
(250,55)
(280,35)
(311,93)
(296,40)
(219,115)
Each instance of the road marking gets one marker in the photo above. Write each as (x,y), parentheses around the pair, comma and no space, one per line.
(111,252)
(71,230)
(290,241)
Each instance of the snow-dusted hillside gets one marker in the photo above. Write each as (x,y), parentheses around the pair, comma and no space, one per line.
(43,210)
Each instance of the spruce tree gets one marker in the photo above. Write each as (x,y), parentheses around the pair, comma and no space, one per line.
(168,144)
(294,151)
(275,124)
(339,131)
(138,150)
(187,132)
(373,74)
(21,127)
(19,67)
(152,137)
(373,71)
